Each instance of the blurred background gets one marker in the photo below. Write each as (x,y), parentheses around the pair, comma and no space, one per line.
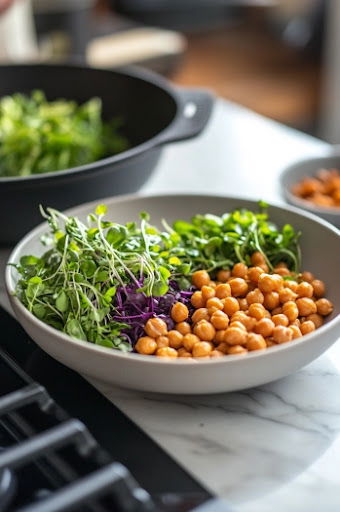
(276,57)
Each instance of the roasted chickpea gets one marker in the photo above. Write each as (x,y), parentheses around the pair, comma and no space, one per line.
(270,342)
(246,320)
(223,275)
(318,288)
(257,258)
(146,345)
(336,197)
(264,267)
(219,336)
(256,311)
(239,270)
(183,328)
(282,264)
(238,286)
(212,284)
(306,306)
(271,300)
(251,286)
(254,274)
(219,320)
(280,320)
(214,303)
(306,187)
(270,283)
(223,291)
(296,322)
(175,339)
(216,353)
(237,350)
(307,276)
(316,319)
(276,311)
(238,316)
(179,312)
(292,285)
(197,300)
(281,271)
(207,292)
(183,353)
(162,341)
(286,295)
(249,322)
(265,327)
(166,352)
(155,327)
(279,282)
(296,331)
(205,331)
(305,289)
(200,278)
(231,305)
(243,304)
(235,336)
(223,347)
(255,342)
(201,349)
(189,341)
(307,327)
(255,296)
(324,307)
(322,200)
(238,325)
(282,334)
(291,311)
(200,314)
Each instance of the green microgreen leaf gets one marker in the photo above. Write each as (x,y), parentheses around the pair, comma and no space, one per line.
(101,209)
(73,328)
(73,285)
(62,301)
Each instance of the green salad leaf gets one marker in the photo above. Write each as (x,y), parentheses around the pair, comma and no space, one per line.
(74,285)
(38,136)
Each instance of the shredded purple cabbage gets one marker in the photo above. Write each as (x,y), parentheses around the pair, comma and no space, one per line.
(135,308)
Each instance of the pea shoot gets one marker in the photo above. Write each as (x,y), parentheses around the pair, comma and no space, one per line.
(100,281)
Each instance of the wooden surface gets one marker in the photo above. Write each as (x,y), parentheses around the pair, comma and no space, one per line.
(249,65)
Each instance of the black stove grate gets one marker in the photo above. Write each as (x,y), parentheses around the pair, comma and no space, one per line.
(50,462)
(75,472)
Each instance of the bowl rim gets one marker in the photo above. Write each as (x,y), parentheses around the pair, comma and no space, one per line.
(134,357)
(303,203)
(131,71)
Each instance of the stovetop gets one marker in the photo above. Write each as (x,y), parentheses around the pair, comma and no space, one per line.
(64,446)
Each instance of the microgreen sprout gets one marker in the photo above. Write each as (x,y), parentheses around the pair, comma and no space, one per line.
(100,281)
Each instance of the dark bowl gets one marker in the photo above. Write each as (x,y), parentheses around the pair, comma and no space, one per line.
(154,113)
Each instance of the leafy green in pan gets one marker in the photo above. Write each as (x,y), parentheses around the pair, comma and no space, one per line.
(38,136)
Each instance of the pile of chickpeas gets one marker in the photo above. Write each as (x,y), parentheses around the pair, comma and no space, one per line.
(245,309)
(323,190)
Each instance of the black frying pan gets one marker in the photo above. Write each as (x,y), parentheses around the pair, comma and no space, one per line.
(154,113)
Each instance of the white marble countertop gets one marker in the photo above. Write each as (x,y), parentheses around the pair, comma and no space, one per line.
(276,447)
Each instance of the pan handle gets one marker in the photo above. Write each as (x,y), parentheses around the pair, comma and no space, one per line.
(194,110)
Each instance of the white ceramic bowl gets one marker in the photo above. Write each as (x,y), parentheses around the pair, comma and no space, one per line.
(309,167)
(320,244)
